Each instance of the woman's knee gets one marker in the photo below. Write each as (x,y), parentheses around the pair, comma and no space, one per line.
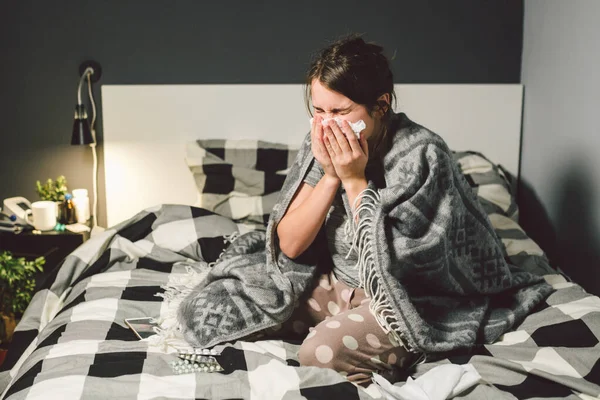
(321,352)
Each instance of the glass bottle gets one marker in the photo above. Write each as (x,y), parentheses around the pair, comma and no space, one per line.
(70,216)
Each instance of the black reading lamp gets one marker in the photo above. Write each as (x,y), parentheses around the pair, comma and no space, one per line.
(84,133)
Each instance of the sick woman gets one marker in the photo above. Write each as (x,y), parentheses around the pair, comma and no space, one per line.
(378,254)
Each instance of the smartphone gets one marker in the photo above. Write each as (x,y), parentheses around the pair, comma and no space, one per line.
(142,327)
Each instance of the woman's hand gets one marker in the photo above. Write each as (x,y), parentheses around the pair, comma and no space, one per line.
(348,154)
(318,147)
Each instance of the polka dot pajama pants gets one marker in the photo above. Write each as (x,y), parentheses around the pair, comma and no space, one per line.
(343,333)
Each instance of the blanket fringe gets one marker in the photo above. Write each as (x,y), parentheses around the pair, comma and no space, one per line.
(169,335)
(226,239)
(176,290)
(362,243)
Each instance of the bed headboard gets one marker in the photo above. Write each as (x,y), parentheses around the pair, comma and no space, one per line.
(146,128)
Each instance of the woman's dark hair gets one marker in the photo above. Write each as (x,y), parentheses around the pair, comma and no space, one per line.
(356,69)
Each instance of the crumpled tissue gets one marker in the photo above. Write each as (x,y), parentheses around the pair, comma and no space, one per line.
(439,383)
(357,126)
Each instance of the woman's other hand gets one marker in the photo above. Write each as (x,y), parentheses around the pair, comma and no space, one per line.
(348,154)
(318,147)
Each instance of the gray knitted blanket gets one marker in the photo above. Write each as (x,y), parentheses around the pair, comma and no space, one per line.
(428,258)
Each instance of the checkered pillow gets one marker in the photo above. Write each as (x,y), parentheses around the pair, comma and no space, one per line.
(494,190)
(239,179)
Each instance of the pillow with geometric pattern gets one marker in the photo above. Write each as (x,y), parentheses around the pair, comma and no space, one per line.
(239,179)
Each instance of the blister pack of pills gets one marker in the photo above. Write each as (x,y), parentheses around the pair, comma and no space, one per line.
(198,360)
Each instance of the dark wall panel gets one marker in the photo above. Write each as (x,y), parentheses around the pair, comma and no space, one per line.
(177,42)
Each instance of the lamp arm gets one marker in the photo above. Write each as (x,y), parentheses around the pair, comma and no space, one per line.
(93,103)
(93,146)
(88,71)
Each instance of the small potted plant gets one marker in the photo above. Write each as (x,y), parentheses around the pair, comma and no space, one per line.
(17,284)
(54,191)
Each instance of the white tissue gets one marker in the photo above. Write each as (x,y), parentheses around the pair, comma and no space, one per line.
(357,126)
(439,383)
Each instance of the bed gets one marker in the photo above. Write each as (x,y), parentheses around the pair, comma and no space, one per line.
(185,176)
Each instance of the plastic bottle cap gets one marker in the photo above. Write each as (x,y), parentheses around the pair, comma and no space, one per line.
(68,196)
(80,192)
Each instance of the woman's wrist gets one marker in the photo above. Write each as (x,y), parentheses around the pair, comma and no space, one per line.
(353,187)
(355,184)
(331,180)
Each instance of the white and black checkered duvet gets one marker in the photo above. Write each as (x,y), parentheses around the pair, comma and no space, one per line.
(75,343)
(72,342)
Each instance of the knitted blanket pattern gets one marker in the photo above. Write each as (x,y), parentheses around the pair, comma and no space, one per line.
(428,258)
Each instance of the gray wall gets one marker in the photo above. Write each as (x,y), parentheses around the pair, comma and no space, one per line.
(561,138)
(42,44)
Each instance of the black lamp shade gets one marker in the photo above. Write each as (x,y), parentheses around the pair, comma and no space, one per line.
(81,127)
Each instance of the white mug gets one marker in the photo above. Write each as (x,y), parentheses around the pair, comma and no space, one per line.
(44,215)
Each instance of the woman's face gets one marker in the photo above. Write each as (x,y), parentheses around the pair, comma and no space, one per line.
(330,104)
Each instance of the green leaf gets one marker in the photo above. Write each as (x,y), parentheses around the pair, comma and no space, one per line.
(17,282)
(52,190)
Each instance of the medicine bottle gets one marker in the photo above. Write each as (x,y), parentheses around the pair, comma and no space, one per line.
(82,205)
(69,210)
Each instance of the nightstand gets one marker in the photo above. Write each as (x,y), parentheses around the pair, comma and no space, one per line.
(52,245)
